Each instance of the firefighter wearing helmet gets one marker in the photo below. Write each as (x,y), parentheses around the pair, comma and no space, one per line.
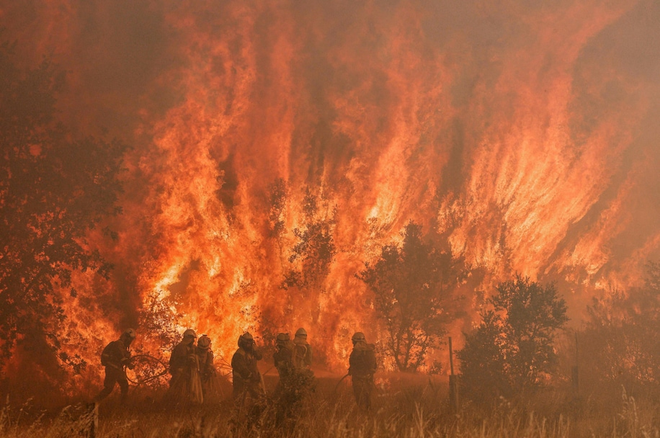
(115,357)
(285,394)
(247,379)
(302,356)
(283,359)
(210,383)
(362,366)
(185,384)
(205,356)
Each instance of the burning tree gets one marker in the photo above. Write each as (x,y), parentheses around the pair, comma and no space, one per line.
(412,286)
(53,190)
(315,247)
(277,203)
(512,349)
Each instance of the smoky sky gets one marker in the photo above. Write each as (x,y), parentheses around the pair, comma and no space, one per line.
(129,62)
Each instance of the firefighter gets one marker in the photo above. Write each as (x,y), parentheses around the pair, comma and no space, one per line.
(205,357)
(285,394)
(246,376)
(185,384)
(362,368)
(302,352)
(207,372)
(115,357)
(302,362)
(283,359)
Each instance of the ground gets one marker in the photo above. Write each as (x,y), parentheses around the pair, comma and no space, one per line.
(404,406)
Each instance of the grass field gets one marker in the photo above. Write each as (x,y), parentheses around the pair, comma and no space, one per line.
(406,408)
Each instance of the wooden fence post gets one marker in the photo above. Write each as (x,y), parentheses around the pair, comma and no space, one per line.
(453,381)
(575,375)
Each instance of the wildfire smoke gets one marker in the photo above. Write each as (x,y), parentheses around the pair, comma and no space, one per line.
(522,132)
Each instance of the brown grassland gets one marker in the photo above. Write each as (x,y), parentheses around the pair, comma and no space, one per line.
(403,410)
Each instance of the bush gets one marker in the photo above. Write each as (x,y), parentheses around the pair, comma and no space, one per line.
(621,341)
(512,351)
(413,287)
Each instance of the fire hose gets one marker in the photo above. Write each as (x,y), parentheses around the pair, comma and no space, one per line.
(261,376)
(339,383)
(138,382)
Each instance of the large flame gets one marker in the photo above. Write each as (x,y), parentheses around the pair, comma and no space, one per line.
(518,130)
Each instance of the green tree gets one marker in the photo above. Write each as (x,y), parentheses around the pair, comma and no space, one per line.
(53,190)
(512,350)
(413,288)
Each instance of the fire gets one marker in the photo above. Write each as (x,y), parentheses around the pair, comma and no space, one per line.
(510,144)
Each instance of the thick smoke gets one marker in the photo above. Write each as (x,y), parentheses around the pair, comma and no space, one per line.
(525,133)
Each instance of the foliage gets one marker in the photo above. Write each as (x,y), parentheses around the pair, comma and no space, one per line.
(315,248)
(53,190)
(412,286)
(157,322)
(483,362)
(512,350)
(621,340)
(277,202)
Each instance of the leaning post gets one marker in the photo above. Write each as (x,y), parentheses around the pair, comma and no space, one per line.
(575,371)
(453,382)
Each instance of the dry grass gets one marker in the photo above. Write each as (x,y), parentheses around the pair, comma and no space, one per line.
(410,413)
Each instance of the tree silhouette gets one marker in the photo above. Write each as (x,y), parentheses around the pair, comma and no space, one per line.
(621,340)
(483,360)
(512,349)
(53,190)
(412,286)
(315,247)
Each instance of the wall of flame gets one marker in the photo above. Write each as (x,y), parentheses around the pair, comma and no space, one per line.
(524,131)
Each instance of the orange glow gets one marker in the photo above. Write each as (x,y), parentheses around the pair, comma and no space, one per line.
(386,114)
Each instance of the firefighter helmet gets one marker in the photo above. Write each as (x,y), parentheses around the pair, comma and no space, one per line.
(204,342)
(359,337)
(245,340)
(129,333)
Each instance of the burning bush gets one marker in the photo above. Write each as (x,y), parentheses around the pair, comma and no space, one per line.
(53,190)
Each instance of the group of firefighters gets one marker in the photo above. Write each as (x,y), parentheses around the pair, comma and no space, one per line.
(194,379)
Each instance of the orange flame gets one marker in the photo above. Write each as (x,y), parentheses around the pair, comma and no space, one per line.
(505,128)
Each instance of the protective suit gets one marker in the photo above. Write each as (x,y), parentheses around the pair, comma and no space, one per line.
(302,352)
(185,384)
(211,386)
(362,366)
(246,375)
(115,357)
